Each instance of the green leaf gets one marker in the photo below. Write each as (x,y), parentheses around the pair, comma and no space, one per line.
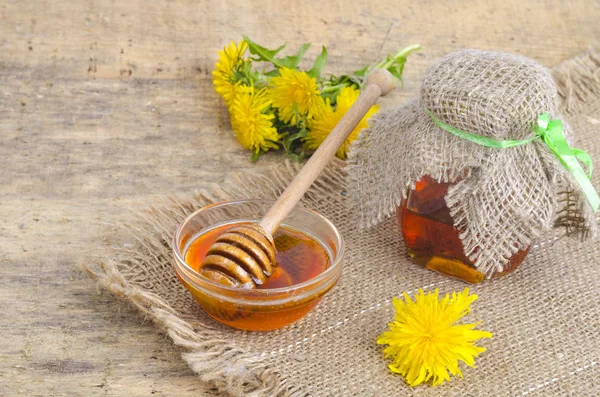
(272,73)
(256,156)
(395,63)
(292,62)
(287,144)
(362,72)
(397,74)
(319,64)
(296,135)
(298,157)
(247,75)
(356,82)
(264,54)
(332,96)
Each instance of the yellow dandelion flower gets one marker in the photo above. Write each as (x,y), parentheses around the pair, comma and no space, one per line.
(325,119)
(425,343)
(294,88)
(251,125)
(223,76)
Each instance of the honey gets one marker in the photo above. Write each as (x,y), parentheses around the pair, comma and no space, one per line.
(431,238)
(299,259)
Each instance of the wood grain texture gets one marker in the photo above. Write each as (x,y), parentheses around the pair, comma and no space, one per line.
(108,106)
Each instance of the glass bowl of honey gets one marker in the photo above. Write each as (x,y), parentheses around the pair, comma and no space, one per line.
(309,253)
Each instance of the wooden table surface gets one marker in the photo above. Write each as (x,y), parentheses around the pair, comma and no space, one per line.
(108,106)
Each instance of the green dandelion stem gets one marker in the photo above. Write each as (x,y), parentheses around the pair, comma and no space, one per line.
(403,53)
(333,88)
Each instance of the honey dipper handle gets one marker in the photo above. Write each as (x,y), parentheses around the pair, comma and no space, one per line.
(379,83)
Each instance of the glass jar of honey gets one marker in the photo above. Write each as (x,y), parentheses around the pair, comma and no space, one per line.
(432,240)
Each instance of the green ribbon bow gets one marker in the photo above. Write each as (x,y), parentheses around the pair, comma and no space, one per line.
(552,133)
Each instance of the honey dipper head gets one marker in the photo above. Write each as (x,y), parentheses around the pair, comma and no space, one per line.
(242,256)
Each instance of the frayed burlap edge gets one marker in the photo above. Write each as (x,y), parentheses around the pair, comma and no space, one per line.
(208,354)
(577,82)
(578,79)
(211,357)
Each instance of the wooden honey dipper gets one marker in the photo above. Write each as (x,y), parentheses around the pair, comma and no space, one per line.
(245,255)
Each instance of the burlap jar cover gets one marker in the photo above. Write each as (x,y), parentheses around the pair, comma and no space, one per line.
(545,317)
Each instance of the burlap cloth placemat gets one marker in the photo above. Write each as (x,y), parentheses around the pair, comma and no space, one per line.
(545,317)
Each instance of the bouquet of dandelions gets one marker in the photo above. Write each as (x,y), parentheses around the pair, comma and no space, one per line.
(283,106)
